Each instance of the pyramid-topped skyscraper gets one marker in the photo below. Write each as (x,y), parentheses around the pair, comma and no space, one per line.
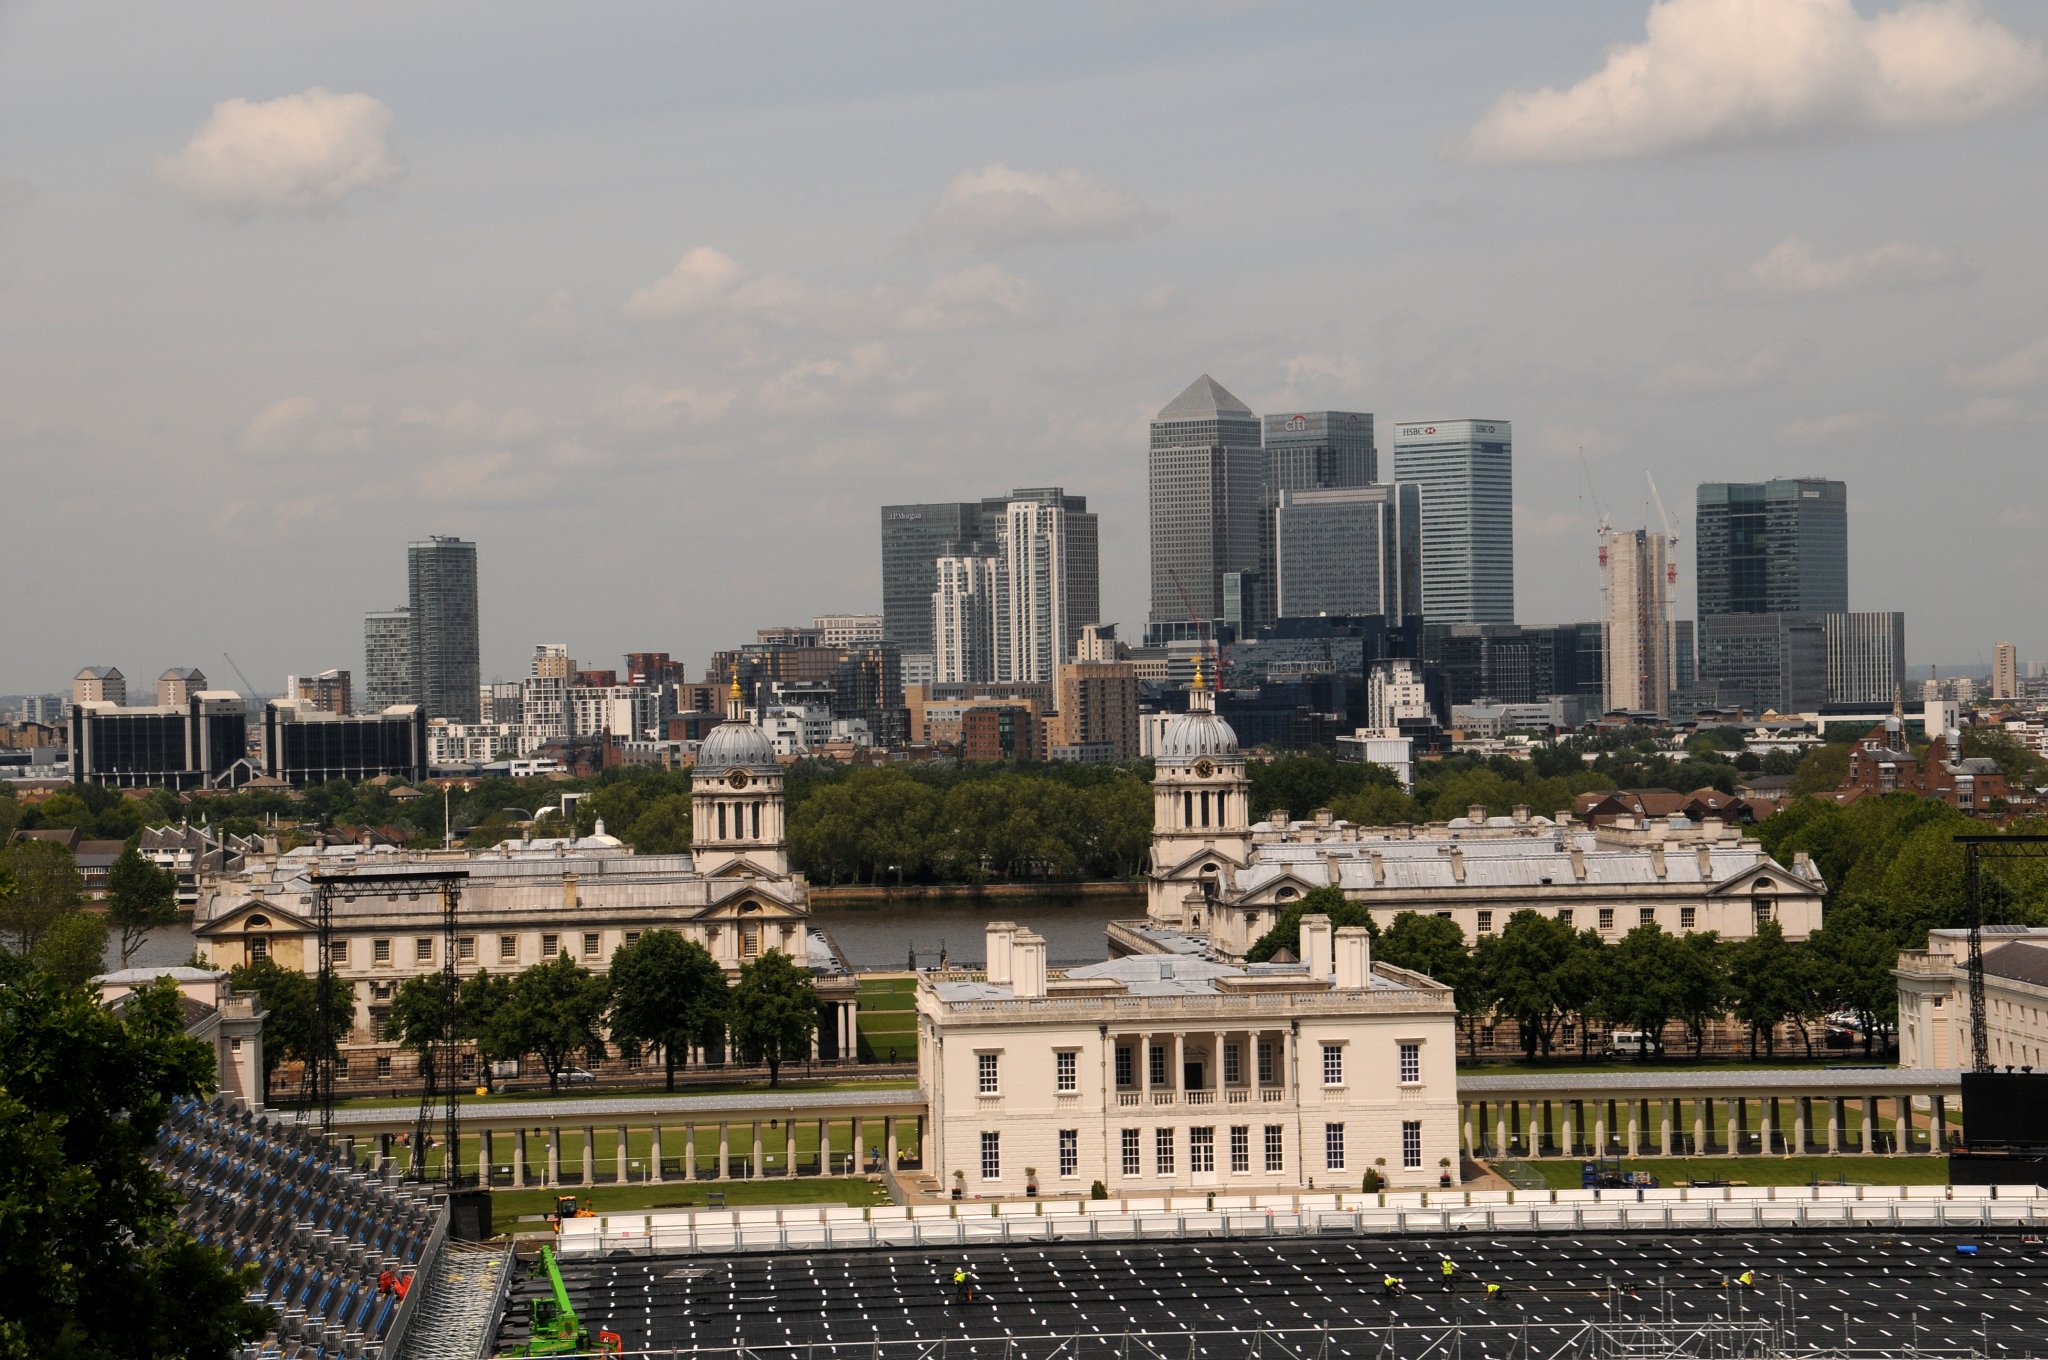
(1206,471)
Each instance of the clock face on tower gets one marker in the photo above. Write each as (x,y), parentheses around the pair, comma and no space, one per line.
(1204,768)
(738,779)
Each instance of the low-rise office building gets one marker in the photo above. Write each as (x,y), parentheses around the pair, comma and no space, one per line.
(1165,1073)
(198,743)
(303,744)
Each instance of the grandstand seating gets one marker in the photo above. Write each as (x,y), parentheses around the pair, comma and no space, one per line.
(320,1233)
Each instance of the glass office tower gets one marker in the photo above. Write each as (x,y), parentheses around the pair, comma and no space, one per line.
(446,660)
(1464,471)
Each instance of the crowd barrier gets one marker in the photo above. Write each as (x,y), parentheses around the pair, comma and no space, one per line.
(1720,1208)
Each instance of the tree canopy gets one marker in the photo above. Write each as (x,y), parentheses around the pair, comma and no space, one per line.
(668,992)
(140,898)
(774,1012)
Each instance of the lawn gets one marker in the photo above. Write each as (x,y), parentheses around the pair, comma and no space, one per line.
(888,1019)
(1563,1174)
(507,1206)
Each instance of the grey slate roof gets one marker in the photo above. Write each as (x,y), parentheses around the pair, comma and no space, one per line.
(1205,399)
(2019,962)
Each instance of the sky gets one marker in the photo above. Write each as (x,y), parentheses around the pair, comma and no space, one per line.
(659,302)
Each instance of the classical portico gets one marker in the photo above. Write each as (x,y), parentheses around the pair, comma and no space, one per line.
(1201,814)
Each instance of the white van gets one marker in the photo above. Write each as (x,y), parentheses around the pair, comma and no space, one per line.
(1630,1043)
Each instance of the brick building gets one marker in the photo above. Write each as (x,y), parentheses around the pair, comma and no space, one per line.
(1882,761)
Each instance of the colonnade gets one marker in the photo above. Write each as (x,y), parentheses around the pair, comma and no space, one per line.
(1698,1114)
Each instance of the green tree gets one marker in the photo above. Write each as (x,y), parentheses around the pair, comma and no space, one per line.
(2020,766)
(1821,770)
(1325,901)
(1525,970)
(774,1012)
(46,889)
(556,1009)
(418,1020)
(669,992)
(1701,993)
(1434,945)
(10,812)
(486,1014)
(1381,805)
(291,1025)
(96,1266)
(1584,985)
(1644,982)
(663,828)
(74,948)
(1853,959)
(140,898)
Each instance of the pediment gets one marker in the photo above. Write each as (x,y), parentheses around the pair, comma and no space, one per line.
(237,920)
(1781,878)
(1190,867)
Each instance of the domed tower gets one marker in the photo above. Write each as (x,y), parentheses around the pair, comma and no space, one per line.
(736,822)
(1201,810)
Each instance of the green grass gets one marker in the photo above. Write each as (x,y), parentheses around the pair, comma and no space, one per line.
(888,1018)
(509,1205)
(1563,1174)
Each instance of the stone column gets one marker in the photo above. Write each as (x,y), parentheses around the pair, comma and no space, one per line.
(724,1152)
(1802,1114)
(1735,1113)
(654,1156)
(518,1158)
(825,1145)
(1699,1126)
(1869,1124)
(1500,1128)
(889,1140)
(1635,1129)
(1144,1056)
(1835,1122)
(554,1154)
(1766,1126)
(1176,1080)
(1902,1141)
(1600,1129)
(1667,1115)
(755,1168)
(789,1154)
(1939,1110)
(589,1155)
(689,1152)
(486,1152)
(1567,1126)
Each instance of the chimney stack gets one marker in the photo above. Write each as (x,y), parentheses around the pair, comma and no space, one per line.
(1026,949)
(1354,959)
(1316,946)
(1001,935)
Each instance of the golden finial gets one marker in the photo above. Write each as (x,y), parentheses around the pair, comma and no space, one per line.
(1198,671)
(734,692)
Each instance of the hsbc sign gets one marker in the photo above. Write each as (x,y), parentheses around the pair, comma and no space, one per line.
(1424,431)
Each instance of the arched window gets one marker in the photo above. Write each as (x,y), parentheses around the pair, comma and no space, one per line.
(757,819)
(721,819)
(1187,809)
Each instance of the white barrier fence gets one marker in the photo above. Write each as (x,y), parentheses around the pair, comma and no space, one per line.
(1851,1208)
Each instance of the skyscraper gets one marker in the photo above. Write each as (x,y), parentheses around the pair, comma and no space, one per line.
(1465,473)
(1777,547)
(1206,469)
(1638,621)
(1349,550)
(1308,451)
(1866,658)
(2005,671)
(963,619)
(1767,662)
(1035,626)
(1077,555)
(913,539)
(387,658)
(446,664)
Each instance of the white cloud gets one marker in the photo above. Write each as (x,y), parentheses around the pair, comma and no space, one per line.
(1792,269)
(1981,411)
(278,423)
(1713,72)
(1692,375)
(984,295)
(1812,430)
(707,281)
(997,206)
(645,407)
(2025,367)
(298,153)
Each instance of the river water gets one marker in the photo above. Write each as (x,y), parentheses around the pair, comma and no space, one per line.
(882,935)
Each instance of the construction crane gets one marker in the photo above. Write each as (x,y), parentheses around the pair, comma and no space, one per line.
(1606,525)
(1670,533)
(1201,627)
(248,690)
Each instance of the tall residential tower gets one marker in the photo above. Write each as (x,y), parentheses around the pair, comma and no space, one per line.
(446,663)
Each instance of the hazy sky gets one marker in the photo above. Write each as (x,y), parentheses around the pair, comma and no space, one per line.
(658,302)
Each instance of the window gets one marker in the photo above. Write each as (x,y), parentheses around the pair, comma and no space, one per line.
(590,943)
(1333,1147)
(632,938)
(1607,918)
(465,949)
(1411,1062)
(1130,1152)
(1162,1152)
(1066,1070)
(1233,1066)
(508,946)
(550,945)
(1155,1063)
(1688,917)
(991,1155)
(1240,1147)
(1276,1147)
(985,1074)
(1411,1144)
(1070,1151)
(1765,909)
(338,952)
(423,949)
(259,948)
(1124,1075)
(1646,916)
(1486,923)
(1266,1063)
(383,1066)
(380,951)
(1202,1149)
(1333,1064)
(1564,914)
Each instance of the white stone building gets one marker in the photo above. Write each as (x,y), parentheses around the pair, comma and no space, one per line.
(1934,999)
(1176,1072)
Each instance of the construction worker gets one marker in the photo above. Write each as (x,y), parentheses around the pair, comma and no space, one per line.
(963,1286)
(1492,1291)
(1392,1285)
(1747,1279)
(1450,1271)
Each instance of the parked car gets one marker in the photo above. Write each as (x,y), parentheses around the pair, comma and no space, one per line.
(1630,1043)
(575,1076)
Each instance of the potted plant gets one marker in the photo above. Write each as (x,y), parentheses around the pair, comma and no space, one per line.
(1443,1176)
(959,1184)
(1372,1183)
(1031,1181)
(1098,1190)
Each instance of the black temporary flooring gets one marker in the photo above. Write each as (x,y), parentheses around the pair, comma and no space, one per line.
(1855,1290)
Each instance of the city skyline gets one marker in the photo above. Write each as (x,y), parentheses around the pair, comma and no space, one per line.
(596,323)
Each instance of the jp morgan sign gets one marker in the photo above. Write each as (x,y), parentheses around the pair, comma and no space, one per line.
(904,515)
